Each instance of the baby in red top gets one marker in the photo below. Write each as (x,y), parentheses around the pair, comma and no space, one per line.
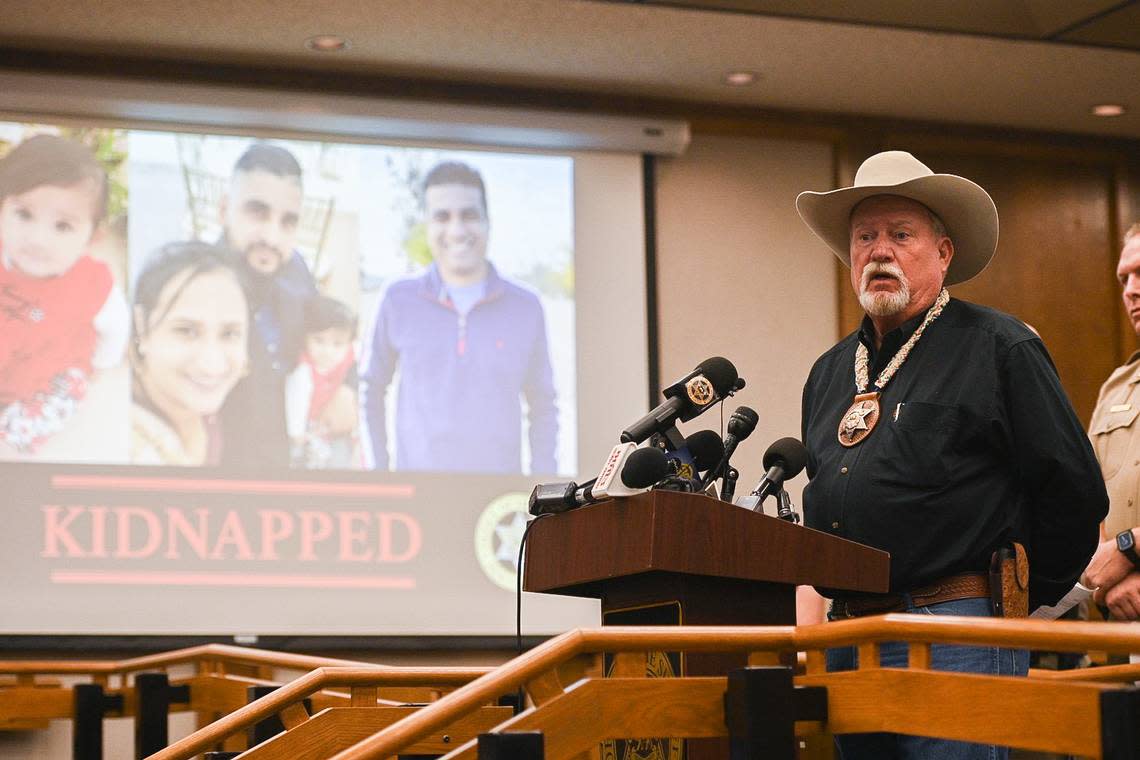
(61,316)
(322,386)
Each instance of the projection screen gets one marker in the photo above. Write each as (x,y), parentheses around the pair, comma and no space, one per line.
(300,382)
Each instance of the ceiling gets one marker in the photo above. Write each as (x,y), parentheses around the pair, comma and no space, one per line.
(1106,23)
(1028,64)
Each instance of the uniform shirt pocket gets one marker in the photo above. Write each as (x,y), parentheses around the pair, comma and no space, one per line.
(1112,437)
(921,441)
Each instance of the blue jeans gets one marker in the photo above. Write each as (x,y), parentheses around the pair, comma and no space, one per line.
(893,654)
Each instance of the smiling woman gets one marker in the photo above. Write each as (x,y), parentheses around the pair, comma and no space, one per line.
(191,332)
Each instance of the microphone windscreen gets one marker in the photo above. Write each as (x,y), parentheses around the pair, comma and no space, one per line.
(721,373)
(644,467)
(790,452)
(706,448)
(742,422)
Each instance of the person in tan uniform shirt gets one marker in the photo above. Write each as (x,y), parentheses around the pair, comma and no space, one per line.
(1115,433)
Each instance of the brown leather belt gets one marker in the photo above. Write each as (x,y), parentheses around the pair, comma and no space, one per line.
(949,589)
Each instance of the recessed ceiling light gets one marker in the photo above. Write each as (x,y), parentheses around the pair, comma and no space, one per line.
(740,78)
(327,43)
(1108,109)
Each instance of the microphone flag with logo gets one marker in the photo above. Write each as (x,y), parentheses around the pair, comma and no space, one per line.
(712,380)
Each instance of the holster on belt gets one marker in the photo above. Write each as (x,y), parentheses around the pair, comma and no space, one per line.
(1009,581)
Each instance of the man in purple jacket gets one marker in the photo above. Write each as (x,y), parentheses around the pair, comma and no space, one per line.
(469,347)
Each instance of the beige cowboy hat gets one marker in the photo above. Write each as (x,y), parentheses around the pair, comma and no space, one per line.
(966,209)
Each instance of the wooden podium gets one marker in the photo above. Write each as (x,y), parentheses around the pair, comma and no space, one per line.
(670,558)
(723,565)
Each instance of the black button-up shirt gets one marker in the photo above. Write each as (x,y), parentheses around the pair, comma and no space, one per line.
(977,445)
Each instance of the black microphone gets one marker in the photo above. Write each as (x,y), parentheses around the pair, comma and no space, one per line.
(740,426)
(784,459)
(712,380)
(704,448)
(645,467)
(700,452)
(553,498)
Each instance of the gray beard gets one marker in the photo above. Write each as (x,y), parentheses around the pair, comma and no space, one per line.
(884,304)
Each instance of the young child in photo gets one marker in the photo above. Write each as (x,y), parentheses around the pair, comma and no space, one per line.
(320,394)
(61,316)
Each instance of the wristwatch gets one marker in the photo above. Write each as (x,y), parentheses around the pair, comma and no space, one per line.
(1126,543)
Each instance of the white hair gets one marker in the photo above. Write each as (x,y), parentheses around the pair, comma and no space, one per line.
(937,224)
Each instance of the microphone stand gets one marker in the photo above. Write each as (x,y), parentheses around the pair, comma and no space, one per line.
(784,510)
(728,486)
(669,439)
(722,469)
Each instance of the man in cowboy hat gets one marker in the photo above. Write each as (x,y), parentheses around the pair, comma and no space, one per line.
(939,430)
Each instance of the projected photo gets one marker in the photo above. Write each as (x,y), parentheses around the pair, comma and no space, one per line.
(468,360)
(218,301)
(276,388)
(63,316)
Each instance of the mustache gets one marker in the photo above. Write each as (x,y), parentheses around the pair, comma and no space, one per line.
(876,268)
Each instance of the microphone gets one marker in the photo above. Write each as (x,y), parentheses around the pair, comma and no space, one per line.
(611,481)
(705,447)
(712,380)
(628,470)
(553,498)
(784,459)
(698,453)
(740,426)
(645,467)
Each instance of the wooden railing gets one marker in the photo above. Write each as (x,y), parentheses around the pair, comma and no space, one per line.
(286,702)
(576,708)
(1122,674)
(222,674)
(222,654)
(574,717)
(30,696)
